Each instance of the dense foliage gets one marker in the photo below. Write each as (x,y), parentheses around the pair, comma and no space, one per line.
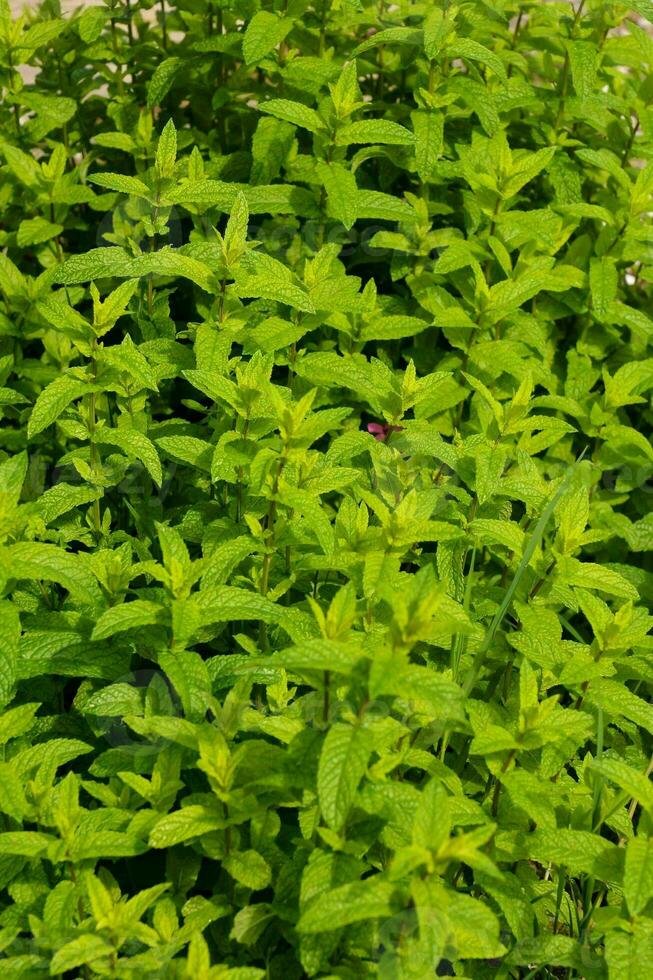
(325,483)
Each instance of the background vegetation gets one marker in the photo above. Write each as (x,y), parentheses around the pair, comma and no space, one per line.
(325,483)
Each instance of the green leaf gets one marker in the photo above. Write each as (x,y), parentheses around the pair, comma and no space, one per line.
(546,949)
(342,192)
(235,235)
(59,500)
(183,825)
(271,145)
(248,868)
(101,263)
(634,783)
(603,285)
(385,207)
(34,560)
(582,60)
(116,699)
(264,31)
(9,641)
(588,575)
(638,874)
(22,165)
(471,50)
(12,794)
(61,315)
(13,472)
(187,449)
(643,7)
(525,168)
(436,31)
(268,279)
(39,34)
(250,923)
(166,151)
(293,112)
(121,183)
(136,446)
(629,953)
(343,762)
(354,902)
(317,654)
(85,950)
(432,820)
(113,306)
(617,700)
(115,141)
(374,131)
(34,231)
(130,615)
(53,400)
(393,327)
(24,843)
(162,80)
(428,128)
(577,850)
(264,199)
(16,721)
(393,35)
(229,602)
(90,23)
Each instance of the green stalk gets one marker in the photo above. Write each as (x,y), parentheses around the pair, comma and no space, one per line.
(633,802)
(559,894)
(497,782)
(622,799)
(164,24)
(239,488)
(94,453)
(323,21)
(326,703)
(460,641)
(114,42)
(598,788)
(515,35)
(267,560)
(564,80)
(130,29)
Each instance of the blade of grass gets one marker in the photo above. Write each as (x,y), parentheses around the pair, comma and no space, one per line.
(598,786)
(459,643)
(529,551)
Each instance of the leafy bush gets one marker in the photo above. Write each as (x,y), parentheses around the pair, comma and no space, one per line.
(325,490)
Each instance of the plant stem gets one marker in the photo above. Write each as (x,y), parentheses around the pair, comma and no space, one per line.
(564,79)
(130,29)
(94,454)
(164,24)
(267,559)
(326,704)
(239,489)
(323,20)
(515,35)
(497,782)
(16,110)
(596,651)
(633,802)
(116,53)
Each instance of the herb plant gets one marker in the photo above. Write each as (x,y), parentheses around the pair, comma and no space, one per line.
(325,483)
